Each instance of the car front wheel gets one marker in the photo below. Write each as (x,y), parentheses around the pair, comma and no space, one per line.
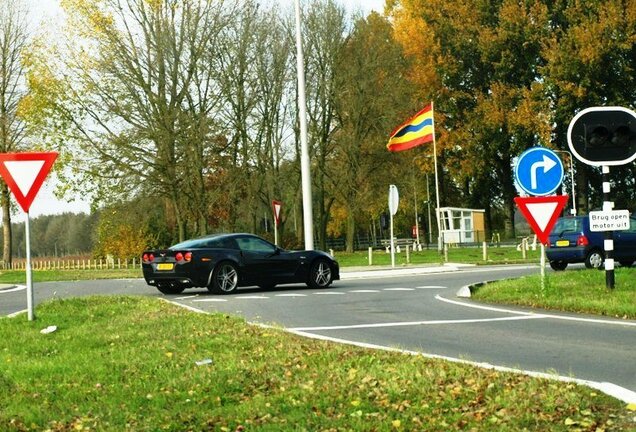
(558,265)
(594,259)
(224,279)
(320,275)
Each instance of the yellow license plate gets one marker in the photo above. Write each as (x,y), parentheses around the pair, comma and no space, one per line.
(563,243)
(165,266)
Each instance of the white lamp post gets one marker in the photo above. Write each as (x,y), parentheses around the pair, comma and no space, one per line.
(305,169)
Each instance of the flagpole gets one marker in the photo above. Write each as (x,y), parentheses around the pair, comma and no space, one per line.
(439,229)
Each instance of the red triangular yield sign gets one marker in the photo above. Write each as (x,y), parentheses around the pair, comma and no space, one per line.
(24,174)
(276,206)
(542,213)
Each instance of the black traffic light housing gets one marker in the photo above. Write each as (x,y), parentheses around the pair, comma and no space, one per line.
(603,136)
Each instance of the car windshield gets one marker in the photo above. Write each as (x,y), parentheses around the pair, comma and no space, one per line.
(567,224)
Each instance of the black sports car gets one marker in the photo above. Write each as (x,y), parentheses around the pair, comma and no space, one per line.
(223,262)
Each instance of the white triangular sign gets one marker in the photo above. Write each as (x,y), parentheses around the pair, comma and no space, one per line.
(542,213)
(24,173)
(277,210)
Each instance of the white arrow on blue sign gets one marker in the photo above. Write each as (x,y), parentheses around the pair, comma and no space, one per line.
(539,171)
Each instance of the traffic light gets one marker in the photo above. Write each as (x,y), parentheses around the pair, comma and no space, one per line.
(603,136)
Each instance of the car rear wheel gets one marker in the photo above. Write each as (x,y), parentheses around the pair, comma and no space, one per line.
(169,288)
(594,259)
(626,263)
(558,265)
(224,279)
(320,275)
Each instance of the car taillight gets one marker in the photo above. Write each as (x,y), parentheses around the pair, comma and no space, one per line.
(179,256)
(148,257)
(582,241)
(188,256)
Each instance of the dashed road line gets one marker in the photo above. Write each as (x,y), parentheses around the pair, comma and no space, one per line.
(431,287)
(211,300)
(398,289)
(364,291)
(290,295)
(328,293)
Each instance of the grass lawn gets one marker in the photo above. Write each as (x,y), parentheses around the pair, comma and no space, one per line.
(571,290)
(127,363)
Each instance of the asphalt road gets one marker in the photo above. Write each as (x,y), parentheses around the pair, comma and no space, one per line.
(417,313)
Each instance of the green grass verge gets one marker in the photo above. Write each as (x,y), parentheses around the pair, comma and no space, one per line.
(126,363)
(573,290)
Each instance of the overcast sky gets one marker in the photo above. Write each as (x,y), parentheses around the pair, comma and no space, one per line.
(49,12)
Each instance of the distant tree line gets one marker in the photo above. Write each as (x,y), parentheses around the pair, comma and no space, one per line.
(56,235)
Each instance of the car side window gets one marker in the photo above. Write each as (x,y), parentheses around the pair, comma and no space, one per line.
(229,243)
(253,244)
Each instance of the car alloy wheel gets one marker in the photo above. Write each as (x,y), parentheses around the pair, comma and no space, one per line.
(320,275)
(225,278)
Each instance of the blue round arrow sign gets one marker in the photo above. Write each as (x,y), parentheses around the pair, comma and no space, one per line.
(539,171)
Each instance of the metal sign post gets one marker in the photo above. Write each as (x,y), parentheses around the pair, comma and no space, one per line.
(394,200)
(29,281)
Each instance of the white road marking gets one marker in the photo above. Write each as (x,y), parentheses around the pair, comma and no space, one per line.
(16,288)
(431,287)
(328,293)
(364,291)
(290,295)
(208,300)
(413,323)
(15,314)
(539,315)
(398,289)
(186,297)
(252,297)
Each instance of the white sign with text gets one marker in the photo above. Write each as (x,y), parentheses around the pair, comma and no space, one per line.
(613,220)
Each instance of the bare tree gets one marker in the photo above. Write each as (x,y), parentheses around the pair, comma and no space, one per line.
(138,98)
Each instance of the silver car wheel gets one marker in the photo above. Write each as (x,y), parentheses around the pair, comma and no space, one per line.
(321,275)
(227,278)
(594,260)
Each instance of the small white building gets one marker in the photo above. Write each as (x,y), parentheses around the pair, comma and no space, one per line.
(460,225)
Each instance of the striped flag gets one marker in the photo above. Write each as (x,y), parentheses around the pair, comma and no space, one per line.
(416,131)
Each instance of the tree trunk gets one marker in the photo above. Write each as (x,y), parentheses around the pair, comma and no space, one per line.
(351,230)
(5,203)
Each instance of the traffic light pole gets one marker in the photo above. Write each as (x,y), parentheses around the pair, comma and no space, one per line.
(609,235)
